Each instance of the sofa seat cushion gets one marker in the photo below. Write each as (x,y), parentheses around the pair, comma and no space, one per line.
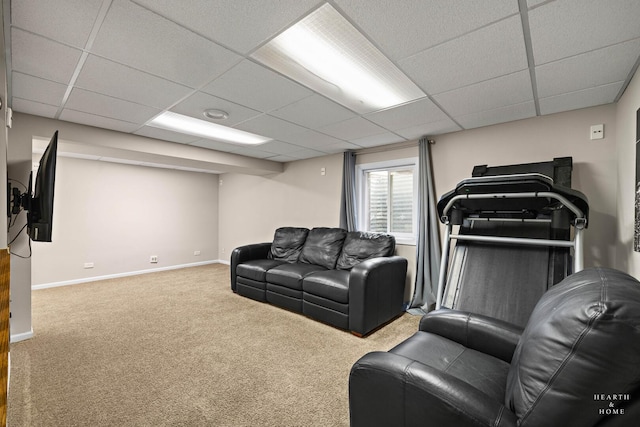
(336,315)
(323,246)
(251,288)
(257,269)
(321,303)
(360,246)
(291,275)
(287,243)
(330,284)
(480,370)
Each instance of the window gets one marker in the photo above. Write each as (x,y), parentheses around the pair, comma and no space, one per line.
(387,194)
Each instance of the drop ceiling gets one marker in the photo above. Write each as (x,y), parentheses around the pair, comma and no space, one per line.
(116,64)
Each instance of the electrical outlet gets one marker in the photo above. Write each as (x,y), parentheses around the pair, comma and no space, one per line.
(153,259)
(88,265)
(597,132)
(196,253)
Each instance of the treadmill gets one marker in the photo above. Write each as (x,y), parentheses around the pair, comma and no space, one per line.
(519,232)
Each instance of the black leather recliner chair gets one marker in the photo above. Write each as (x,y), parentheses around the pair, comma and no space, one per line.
(576,363)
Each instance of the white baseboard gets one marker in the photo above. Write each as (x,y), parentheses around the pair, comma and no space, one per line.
(117,275)
(21,337)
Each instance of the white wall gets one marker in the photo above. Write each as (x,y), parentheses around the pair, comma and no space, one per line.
(174,214)
(116,216)
(3,130)
(627,259)
(18,167)
(252,207)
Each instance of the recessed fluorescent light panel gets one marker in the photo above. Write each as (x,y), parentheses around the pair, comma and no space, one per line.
(196,127)
(329,55)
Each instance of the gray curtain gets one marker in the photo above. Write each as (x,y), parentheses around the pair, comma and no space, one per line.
(428,241)
(348,206)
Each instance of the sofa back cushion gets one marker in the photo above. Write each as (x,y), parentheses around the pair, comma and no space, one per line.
(581,344)
(287,243)
(323,246)
(360,246)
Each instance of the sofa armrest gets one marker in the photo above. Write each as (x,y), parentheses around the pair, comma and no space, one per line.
(485,334)
(387,389)
(247,253)
(376,292)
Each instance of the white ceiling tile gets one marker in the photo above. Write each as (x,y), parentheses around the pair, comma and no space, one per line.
(106,106)
(533,3)
(339,148)
(68,21)
(279,147)
(580,99)
(256,87)
(196,104)
(109,78)
(239,25)
(282,158)
(38,90)
(256,152)
(215,145)
(271,127)
(595,68)
(313,112)
(34,108)
(305,153)
(139,38)
(404,30)
(167,135)
(97,121)
(499,115)
(312,139)
(435,128)
(376,140)
(569,27)
(350,129)
(408,115)
(487,53)
(40,57)
(488,95)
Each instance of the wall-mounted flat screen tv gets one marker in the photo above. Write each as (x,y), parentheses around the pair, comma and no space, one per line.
(39,204)
(40,220)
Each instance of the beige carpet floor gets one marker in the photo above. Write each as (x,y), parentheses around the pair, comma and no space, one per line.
(178,348)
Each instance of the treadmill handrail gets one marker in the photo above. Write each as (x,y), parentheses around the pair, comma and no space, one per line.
(581,220)
(490,179)
(515,240)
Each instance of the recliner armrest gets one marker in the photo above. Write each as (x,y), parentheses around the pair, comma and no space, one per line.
(485,334)
(247,253)
(387,389)
(376,292)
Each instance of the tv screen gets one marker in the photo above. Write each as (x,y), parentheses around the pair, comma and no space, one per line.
(40,215)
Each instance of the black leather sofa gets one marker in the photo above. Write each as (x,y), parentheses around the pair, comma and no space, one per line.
(350,280)
(576,363)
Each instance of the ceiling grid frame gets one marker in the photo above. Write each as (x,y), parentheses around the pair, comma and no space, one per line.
(437,117)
